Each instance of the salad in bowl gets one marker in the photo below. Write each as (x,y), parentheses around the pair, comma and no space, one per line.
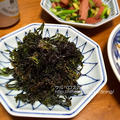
(81,11)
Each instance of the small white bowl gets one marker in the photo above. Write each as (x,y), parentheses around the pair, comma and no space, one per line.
(114,51)
(93,75)
(113,4)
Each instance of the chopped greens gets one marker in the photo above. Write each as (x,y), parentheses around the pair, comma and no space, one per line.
(45,69)
(80,11)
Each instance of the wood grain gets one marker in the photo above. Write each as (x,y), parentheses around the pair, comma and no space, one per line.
(104,106)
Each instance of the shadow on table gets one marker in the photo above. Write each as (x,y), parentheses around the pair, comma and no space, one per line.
(112,82)
(94,31)
(27,118)
(47,18)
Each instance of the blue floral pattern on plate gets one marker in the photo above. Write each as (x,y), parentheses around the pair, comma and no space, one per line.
(114,50)
(93,76)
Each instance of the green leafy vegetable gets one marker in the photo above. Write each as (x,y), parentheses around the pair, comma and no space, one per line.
(92,4)
(5,71)
(105,12)
(55,0)
(45,69)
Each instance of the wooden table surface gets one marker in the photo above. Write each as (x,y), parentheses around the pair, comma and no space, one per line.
(106,104)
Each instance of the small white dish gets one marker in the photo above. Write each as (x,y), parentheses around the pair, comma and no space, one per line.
(113,4)
(113,49)
(93,75)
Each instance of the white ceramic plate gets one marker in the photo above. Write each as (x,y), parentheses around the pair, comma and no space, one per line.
(93,76)
(113,4)
(113,49)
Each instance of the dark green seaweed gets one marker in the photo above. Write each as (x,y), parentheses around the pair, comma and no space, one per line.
(45,69)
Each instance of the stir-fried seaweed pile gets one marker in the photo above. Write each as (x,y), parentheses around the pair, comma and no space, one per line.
(45,69)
